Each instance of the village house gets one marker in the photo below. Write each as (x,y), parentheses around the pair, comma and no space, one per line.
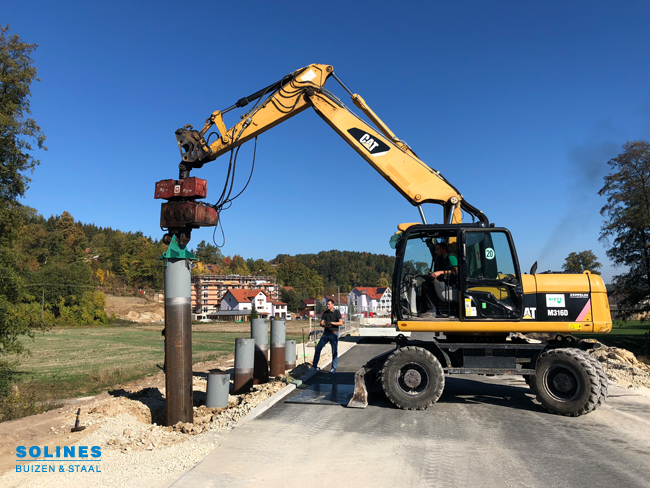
(209,290)
(306,306)
(243,300)
(370,299)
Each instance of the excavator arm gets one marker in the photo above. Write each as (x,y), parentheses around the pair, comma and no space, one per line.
(391,157)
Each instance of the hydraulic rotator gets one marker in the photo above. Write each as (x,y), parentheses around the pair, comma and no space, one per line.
(182,213)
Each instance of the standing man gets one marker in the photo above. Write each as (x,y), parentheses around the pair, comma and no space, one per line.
(331,320)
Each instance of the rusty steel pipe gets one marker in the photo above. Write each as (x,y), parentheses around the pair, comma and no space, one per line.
(290,355)
(260,333)
(278,338)
(244,364)
(178,342)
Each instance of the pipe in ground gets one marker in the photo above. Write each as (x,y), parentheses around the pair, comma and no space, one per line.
(244,363)
(278,338)
(290,354)
(260,333)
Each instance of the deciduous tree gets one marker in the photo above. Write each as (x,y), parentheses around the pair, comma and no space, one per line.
(18,132)
(291,298)
(578,262)
(627,224)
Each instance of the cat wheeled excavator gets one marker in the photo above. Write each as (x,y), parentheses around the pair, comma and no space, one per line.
(489,318)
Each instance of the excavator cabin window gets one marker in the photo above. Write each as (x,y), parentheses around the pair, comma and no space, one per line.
(491,288)
(419,293)
(482,280)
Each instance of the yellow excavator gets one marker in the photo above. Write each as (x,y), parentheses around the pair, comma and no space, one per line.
(484,317)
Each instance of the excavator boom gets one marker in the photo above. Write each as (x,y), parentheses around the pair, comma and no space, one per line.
(388,155)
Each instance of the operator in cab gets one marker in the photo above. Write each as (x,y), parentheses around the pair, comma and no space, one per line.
(445,266)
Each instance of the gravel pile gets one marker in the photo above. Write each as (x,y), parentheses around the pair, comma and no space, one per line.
(623,367)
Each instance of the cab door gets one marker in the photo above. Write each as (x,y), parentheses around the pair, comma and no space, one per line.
(490,280)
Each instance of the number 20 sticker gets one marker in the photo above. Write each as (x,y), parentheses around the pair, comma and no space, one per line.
(489,253)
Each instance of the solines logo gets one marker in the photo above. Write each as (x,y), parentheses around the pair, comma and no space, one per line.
(71,459)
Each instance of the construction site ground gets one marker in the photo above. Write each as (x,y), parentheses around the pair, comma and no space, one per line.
(128,425)
(486,430)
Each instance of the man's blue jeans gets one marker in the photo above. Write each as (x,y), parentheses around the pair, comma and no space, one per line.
(333,339)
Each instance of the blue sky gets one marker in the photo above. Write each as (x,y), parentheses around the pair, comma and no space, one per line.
(519,104)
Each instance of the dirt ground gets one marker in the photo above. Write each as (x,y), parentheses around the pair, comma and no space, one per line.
(146,310)
(136,309)
(140,401)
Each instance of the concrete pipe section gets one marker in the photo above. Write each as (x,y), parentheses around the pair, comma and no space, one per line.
(278,338)
(217,390)
(290,355)
(260,333)
(244,364)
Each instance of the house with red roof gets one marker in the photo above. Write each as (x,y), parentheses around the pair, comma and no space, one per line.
(236,300)
(370,299)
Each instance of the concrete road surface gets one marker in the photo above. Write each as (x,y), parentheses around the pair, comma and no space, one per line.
(484,431)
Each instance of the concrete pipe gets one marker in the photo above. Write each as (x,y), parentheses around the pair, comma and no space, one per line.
(278,338)
(217,390)
(290,355)
(244,364)
(260,333)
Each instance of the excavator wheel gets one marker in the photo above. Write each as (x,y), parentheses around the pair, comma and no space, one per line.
(604,381)
(530,381)
(412,378)
(566,382)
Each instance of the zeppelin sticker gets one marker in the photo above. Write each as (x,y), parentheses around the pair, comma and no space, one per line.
(579,295)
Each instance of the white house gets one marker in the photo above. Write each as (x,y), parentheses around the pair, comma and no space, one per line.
(370,299)
(235,300)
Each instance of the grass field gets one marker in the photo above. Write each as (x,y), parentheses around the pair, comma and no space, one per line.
(66,363)
(628,335)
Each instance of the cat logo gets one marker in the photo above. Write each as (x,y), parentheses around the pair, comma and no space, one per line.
(530,313)
(369,142)
(375,146)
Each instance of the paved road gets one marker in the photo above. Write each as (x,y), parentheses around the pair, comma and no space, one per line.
(484,431)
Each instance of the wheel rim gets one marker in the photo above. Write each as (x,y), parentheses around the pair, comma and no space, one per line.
(562,383)
(413,379)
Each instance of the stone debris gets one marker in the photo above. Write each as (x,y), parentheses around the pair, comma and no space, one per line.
(623,367)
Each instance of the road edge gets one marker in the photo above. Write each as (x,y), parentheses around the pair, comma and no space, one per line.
(276,397)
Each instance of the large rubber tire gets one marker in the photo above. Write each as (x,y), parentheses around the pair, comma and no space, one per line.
(412,378)
(530,381)
(566,382)
(602,376)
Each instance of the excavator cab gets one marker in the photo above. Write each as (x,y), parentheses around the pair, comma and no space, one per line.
(484,284)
